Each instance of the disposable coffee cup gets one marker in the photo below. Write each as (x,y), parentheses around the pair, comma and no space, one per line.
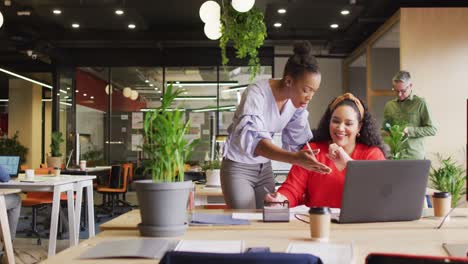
(29,174)
(82,165)
(56,172)
(442,203)
(319,223)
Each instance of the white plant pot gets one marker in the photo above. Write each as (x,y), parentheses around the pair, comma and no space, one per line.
(213,177)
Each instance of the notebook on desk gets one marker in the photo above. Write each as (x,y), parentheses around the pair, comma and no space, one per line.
(383,190)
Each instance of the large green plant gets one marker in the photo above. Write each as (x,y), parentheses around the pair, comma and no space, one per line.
(164,142)
(247,31)
(396,139)
(449,177)
(55,144)
(12,147)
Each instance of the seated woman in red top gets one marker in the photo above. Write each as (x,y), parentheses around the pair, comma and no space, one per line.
(346,132)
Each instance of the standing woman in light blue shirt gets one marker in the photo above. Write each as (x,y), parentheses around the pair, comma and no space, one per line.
(268,107)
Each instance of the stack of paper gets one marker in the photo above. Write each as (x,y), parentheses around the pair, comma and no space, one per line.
(328,252)
(131,248)
(211,246)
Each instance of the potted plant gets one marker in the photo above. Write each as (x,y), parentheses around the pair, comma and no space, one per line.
(449,177)
(55,158)
(247,31)
(163,199)
(212,171)
(12,147)
(396,139)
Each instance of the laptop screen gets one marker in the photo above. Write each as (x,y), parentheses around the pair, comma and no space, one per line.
(10,164)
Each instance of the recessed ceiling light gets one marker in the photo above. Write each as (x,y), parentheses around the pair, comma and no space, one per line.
(57,11)
(334,25)
(345,12)
(68,88)
(92,97)
(132,26)
(76,91)
(119,12)
(156,88)
(58,94)
(151,84)
(277,25)
(75,25)
(85,95)
(281,10)
(146,81)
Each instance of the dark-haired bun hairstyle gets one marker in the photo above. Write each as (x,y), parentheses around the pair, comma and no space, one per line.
(302,61)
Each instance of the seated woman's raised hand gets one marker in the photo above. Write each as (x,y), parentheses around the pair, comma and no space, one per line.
(275,197)
(339,156)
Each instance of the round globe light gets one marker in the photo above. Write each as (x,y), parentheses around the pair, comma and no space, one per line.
(134,95)
(1,19)
(242,5)
(108,89)
(213,30)
(127,92)
(210,11)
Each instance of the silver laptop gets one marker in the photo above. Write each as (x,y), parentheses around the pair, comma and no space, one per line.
(383,190)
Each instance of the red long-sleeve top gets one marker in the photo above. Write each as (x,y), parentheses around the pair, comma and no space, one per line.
(314,189)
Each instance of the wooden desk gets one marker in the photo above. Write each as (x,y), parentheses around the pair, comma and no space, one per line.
(416,237)
(131,219)
(5,226)
(57,185)
(202,193)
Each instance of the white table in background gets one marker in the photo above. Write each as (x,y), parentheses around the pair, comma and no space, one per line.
(57,185)
(5,227)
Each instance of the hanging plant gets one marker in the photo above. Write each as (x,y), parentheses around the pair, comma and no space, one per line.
(247,31)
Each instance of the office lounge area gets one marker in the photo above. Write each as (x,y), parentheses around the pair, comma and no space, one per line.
(104,77)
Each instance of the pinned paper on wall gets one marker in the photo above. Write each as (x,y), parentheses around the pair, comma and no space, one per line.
(137,141)
(137,120)
(197,119)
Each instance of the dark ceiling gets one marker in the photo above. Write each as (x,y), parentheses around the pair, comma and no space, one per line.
(176,23)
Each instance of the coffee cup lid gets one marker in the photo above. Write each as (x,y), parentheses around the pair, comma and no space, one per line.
(319,210)
(441,194)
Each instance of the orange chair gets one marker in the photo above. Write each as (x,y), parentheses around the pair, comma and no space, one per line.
(24,167)
(37,201)
(118,183)
(129,167)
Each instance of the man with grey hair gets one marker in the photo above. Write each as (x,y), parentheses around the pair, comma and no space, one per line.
(411,111)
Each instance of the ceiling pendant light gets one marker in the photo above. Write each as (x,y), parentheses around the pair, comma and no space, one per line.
(1,19)
(210,11)
(134,95)
(213,30)
(127,92)
(242,5)
(108,89)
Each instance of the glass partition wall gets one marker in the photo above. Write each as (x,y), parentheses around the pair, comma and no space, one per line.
(110,104)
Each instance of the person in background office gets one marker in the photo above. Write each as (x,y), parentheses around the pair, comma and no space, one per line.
(13,204)
(412,111)
(268,107)
(346,132)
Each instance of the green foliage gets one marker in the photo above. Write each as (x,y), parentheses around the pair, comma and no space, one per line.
(164,142)
(247,32)
(396,140)
(449,177)
(93,157)
(212,165)
(12,147)
(55,144)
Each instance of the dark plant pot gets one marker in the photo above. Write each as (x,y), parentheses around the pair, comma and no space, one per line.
(162,207)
